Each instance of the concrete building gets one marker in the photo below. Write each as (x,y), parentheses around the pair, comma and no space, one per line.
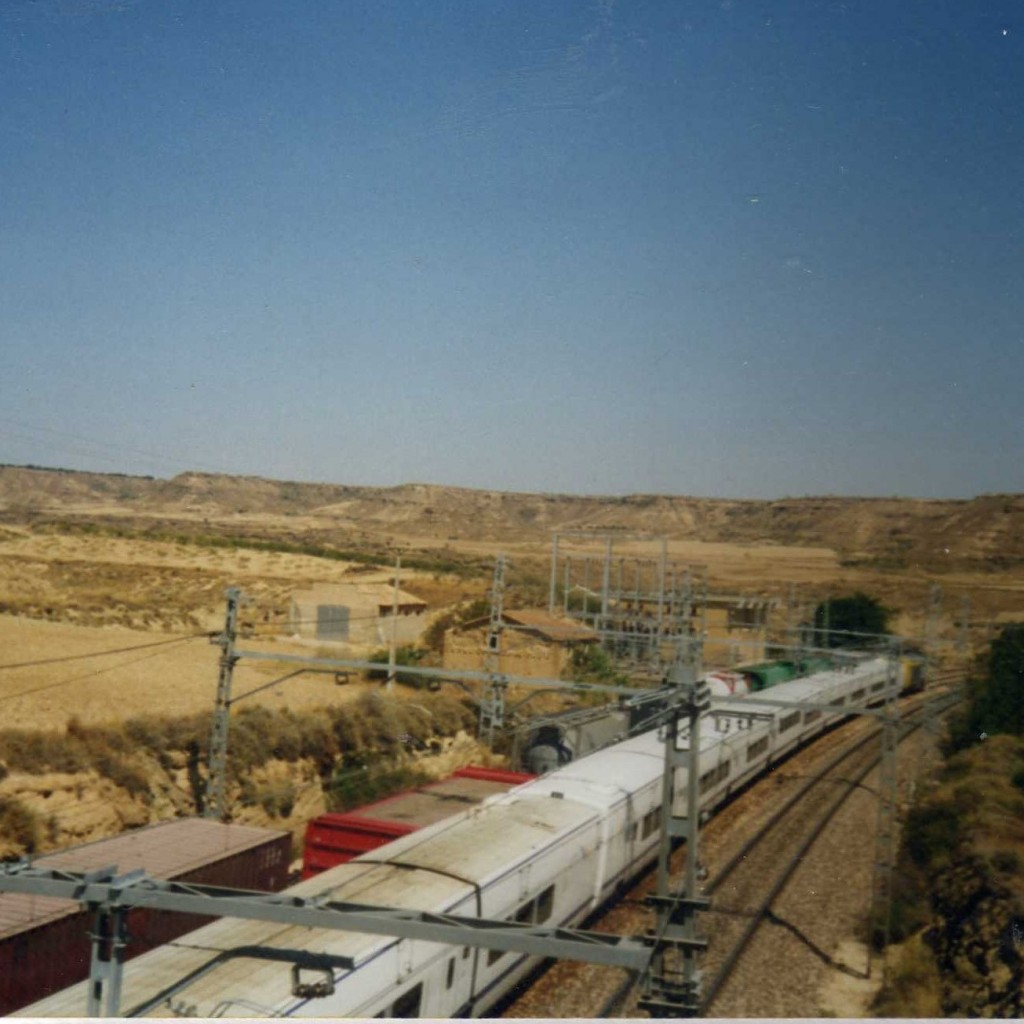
(357,613)
(533,643)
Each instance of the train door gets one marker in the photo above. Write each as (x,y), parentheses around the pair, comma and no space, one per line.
(625,837)
(407,1005)
(454,988)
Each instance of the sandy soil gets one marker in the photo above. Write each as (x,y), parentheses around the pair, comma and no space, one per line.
(173,679)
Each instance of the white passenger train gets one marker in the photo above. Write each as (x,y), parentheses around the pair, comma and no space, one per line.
(548,852)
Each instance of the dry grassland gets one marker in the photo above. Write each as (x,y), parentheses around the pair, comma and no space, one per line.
(64,595)
(69,596)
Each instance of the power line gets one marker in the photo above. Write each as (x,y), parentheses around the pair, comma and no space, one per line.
(89,675)
(274,628)
(118,448)
(99,654)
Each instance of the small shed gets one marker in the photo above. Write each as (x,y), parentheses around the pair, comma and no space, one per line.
(357,613)
(533,643)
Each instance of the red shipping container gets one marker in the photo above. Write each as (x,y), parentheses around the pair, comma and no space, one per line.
(336,838)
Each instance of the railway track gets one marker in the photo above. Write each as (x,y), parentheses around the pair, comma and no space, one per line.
(753,875)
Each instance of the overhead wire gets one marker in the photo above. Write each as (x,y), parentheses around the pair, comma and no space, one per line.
(118,448)
(100,654)
(277,626)
(89,675)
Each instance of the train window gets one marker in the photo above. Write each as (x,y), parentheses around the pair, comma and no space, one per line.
(838,702)
(524,915)
(465,952)
(545,904)
(757,748)
(652,822)
(408,1004)
(494,955)
(451,973)
(631,832)
(857,695)
(787,723)
(878,686)
(715,776)
(811,716)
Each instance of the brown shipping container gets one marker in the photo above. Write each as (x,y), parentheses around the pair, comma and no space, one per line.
(44,942)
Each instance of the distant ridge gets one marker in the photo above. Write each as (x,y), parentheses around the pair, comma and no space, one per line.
(986,531)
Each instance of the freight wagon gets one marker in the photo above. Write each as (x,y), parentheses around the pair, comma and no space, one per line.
(44,942)
(333,839)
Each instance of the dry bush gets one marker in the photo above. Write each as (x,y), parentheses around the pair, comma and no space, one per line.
(38,752)
(913,985)
(358,784)
(20,827)
(374,730)
(277,798)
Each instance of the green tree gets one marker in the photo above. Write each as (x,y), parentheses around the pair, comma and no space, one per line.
(591,663)
(995,699)
(840,621)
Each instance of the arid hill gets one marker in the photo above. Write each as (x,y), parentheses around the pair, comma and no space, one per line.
(986,532)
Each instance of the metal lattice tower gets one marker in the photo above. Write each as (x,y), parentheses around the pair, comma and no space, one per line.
(885,836)
(492,699)
(636,604)
(216,786)
(672,983)
(109,936)
(931,629)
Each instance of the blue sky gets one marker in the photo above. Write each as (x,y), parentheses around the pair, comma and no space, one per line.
(737,249)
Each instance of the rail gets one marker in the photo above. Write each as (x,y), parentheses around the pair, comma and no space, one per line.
(617,999)
(762,912)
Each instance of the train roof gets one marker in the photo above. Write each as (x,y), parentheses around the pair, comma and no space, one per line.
(169,849)
(454,856)
(160,972)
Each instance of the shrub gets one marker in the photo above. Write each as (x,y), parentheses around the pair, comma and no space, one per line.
(932,834)
(358,783)
(35,753)
(19,824)
(433,635)
(913,986)
(590,663)
(277,798)
(1007,862)
(994,694)
(406,655)
(123,774)
(911,905)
